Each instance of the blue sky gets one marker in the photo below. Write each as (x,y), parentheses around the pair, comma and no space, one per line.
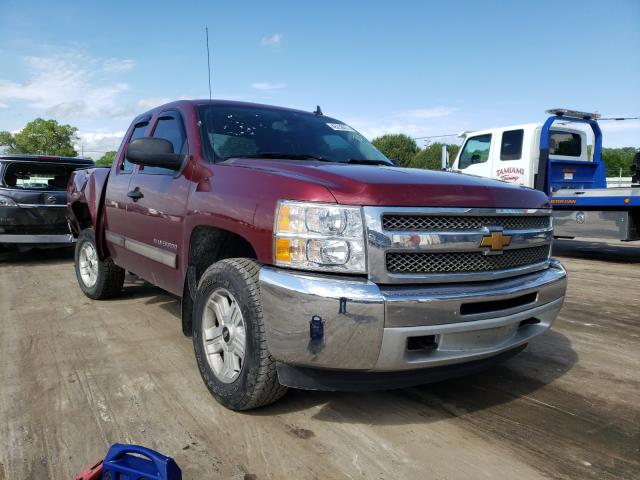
(421,68)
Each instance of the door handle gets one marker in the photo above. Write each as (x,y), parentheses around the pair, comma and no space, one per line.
(135,194)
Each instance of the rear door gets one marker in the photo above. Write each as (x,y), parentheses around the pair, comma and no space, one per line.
(511,163)
(116,201)
(156,217)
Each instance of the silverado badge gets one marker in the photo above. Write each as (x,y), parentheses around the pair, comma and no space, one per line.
(496,241)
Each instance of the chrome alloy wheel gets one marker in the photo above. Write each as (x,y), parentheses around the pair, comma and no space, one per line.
(224,335)
(88,260)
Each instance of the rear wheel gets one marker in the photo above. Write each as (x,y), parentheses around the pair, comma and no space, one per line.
(229,337)
(98,279)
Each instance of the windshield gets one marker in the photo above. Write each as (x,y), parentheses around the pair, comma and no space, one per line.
(37,176)
(262,132)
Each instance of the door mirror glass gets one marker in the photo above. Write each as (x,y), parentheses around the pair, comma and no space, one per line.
(154,152)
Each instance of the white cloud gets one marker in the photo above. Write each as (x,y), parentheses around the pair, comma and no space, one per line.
(273,41)
(95,144)
(69,83)
(118,64)
(268,86)
(414,123)
(149,103)
(620,126)
(3,105)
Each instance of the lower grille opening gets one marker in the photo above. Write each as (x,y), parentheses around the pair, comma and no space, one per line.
(529,321)
(496,305)
(425,342)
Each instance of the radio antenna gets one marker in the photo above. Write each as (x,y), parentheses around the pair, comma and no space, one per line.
(206,31)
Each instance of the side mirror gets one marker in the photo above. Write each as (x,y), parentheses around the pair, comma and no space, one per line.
(154,152)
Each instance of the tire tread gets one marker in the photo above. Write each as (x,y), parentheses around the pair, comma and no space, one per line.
(266,388)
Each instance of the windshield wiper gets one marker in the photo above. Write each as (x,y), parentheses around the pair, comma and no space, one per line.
(283,155)
(366,161)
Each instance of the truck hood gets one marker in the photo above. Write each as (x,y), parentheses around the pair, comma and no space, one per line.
(395,186)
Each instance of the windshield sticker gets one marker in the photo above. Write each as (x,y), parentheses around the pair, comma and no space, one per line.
(340,127)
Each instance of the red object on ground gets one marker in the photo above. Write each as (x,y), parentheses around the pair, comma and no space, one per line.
(91,473)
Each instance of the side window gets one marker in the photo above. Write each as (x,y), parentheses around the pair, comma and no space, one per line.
(170,128)
(475,150)
(511,146)
(138,131)
(565,143)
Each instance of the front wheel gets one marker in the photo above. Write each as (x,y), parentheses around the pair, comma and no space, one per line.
(98,279)
(229,337)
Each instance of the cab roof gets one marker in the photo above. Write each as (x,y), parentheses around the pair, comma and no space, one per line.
(20,157)
(230,103)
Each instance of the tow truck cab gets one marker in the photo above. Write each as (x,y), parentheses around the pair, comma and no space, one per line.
(557,158)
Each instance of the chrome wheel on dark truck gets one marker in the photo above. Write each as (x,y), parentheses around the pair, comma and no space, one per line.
(229,337)
(98,279)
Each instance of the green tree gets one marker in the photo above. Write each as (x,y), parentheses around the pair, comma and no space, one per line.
(397,147)
(430,156)
(618,158)
(106,160)
(41,136)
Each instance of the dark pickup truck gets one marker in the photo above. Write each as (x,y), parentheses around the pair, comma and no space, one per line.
(33,200)
(305,258)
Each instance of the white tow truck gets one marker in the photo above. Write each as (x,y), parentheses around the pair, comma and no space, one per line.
(556,159)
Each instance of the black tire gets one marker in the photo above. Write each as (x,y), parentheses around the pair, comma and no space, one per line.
(257,383)
(110,277)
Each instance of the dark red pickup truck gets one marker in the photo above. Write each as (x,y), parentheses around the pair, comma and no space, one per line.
(305,258)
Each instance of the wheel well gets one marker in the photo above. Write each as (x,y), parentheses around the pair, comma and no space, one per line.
(82,214)
(207,246)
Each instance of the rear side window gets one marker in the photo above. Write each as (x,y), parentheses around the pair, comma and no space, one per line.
(138,131)
(511,145)
(476,150)
(45,176)
(170,128)
(565,143)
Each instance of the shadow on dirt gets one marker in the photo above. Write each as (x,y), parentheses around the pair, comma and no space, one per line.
(608,252)
(546,359)
(45,256)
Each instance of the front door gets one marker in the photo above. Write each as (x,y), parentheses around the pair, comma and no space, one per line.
(157,211)
(475,157)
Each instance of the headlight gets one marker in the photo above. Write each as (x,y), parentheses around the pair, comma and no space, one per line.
(318,236)
(7,201)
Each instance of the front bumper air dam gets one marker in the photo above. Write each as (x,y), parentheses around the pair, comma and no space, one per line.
(361,327)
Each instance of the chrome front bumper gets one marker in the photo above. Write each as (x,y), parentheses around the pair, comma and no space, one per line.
(366,327)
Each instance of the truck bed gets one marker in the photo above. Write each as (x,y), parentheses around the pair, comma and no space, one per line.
(619,197)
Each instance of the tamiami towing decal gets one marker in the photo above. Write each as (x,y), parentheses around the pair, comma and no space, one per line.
(510,174)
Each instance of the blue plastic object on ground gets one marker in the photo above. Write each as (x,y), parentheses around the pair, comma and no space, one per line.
(133,462)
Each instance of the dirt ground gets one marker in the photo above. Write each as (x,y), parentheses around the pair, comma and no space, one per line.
(78,375)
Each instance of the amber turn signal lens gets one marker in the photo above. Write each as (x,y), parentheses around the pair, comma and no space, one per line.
(283,249)
(283,218)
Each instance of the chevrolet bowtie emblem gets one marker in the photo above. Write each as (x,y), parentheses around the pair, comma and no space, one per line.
(496,241)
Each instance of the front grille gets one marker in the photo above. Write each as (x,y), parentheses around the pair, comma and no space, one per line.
(452,222)
(463,262)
